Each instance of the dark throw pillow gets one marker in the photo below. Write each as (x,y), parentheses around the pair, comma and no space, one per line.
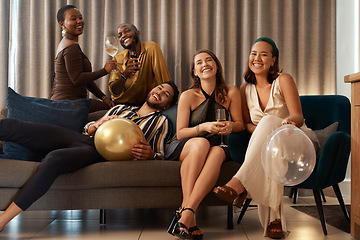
(70,114)
(324,134)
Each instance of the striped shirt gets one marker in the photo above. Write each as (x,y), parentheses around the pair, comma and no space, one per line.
(155,126)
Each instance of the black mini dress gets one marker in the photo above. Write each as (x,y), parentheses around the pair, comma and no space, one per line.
(205,112)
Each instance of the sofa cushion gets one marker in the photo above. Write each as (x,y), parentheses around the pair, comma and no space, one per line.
(324,134)
(171,113)
(13,174)
(71,114)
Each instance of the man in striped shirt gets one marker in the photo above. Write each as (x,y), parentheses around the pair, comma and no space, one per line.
(66,150)
(155,126)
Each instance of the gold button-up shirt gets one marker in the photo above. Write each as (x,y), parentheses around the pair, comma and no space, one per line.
(153,71)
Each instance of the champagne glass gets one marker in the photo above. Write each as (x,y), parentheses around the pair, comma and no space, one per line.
(134,55)
(221,117)
(112,47)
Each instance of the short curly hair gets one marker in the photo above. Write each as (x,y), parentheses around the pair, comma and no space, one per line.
(62,10)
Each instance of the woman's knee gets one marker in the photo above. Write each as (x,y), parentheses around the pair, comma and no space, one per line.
(269,122)
(200,142)
(197,148)
(199,145)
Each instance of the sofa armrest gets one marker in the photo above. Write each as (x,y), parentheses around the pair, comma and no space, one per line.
(331,166)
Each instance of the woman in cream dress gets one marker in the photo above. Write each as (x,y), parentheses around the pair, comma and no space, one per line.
(269,100)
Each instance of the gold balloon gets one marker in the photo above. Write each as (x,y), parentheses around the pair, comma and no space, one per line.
(115,138)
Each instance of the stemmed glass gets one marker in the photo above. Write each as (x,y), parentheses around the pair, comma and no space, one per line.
(221,117)
(112,47)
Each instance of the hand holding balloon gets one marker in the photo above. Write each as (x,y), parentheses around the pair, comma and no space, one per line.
(93,127)
(288,121)
(104,119)
(143,151)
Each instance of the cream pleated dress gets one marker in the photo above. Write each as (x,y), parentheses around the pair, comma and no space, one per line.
(267,193)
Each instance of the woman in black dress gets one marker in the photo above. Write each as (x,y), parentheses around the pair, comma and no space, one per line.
(198,137)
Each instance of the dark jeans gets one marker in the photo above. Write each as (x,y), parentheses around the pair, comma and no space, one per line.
(66,151)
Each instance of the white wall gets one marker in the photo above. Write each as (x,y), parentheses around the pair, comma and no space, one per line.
(347,56)
(347,43)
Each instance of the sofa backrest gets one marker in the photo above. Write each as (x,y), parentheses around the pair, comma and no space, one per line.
(171,113)
(321,111)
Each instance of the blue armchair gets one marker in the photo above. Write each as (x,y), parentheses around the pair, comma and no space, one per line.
(319,112)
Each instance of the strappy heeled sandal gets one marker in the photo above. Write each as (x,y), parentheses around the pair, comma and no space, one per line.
(196,236)
(274,230)
(177,216)
(177,228)
(229,195)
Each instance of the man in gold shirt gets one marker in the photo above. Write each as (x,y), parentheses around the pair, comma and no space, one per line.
(141,67)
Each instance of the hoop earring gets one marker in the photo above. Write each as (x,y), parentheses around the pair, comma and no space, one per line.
(63,32)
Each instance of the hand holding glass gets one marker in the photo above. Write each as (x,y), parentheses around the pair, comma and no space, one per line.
(134,55)
(112,47)
(221,117)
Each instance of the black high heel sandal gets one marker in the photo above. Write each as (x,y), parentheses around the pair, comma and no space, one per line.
(180,233)
(175,219)
(195,236)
